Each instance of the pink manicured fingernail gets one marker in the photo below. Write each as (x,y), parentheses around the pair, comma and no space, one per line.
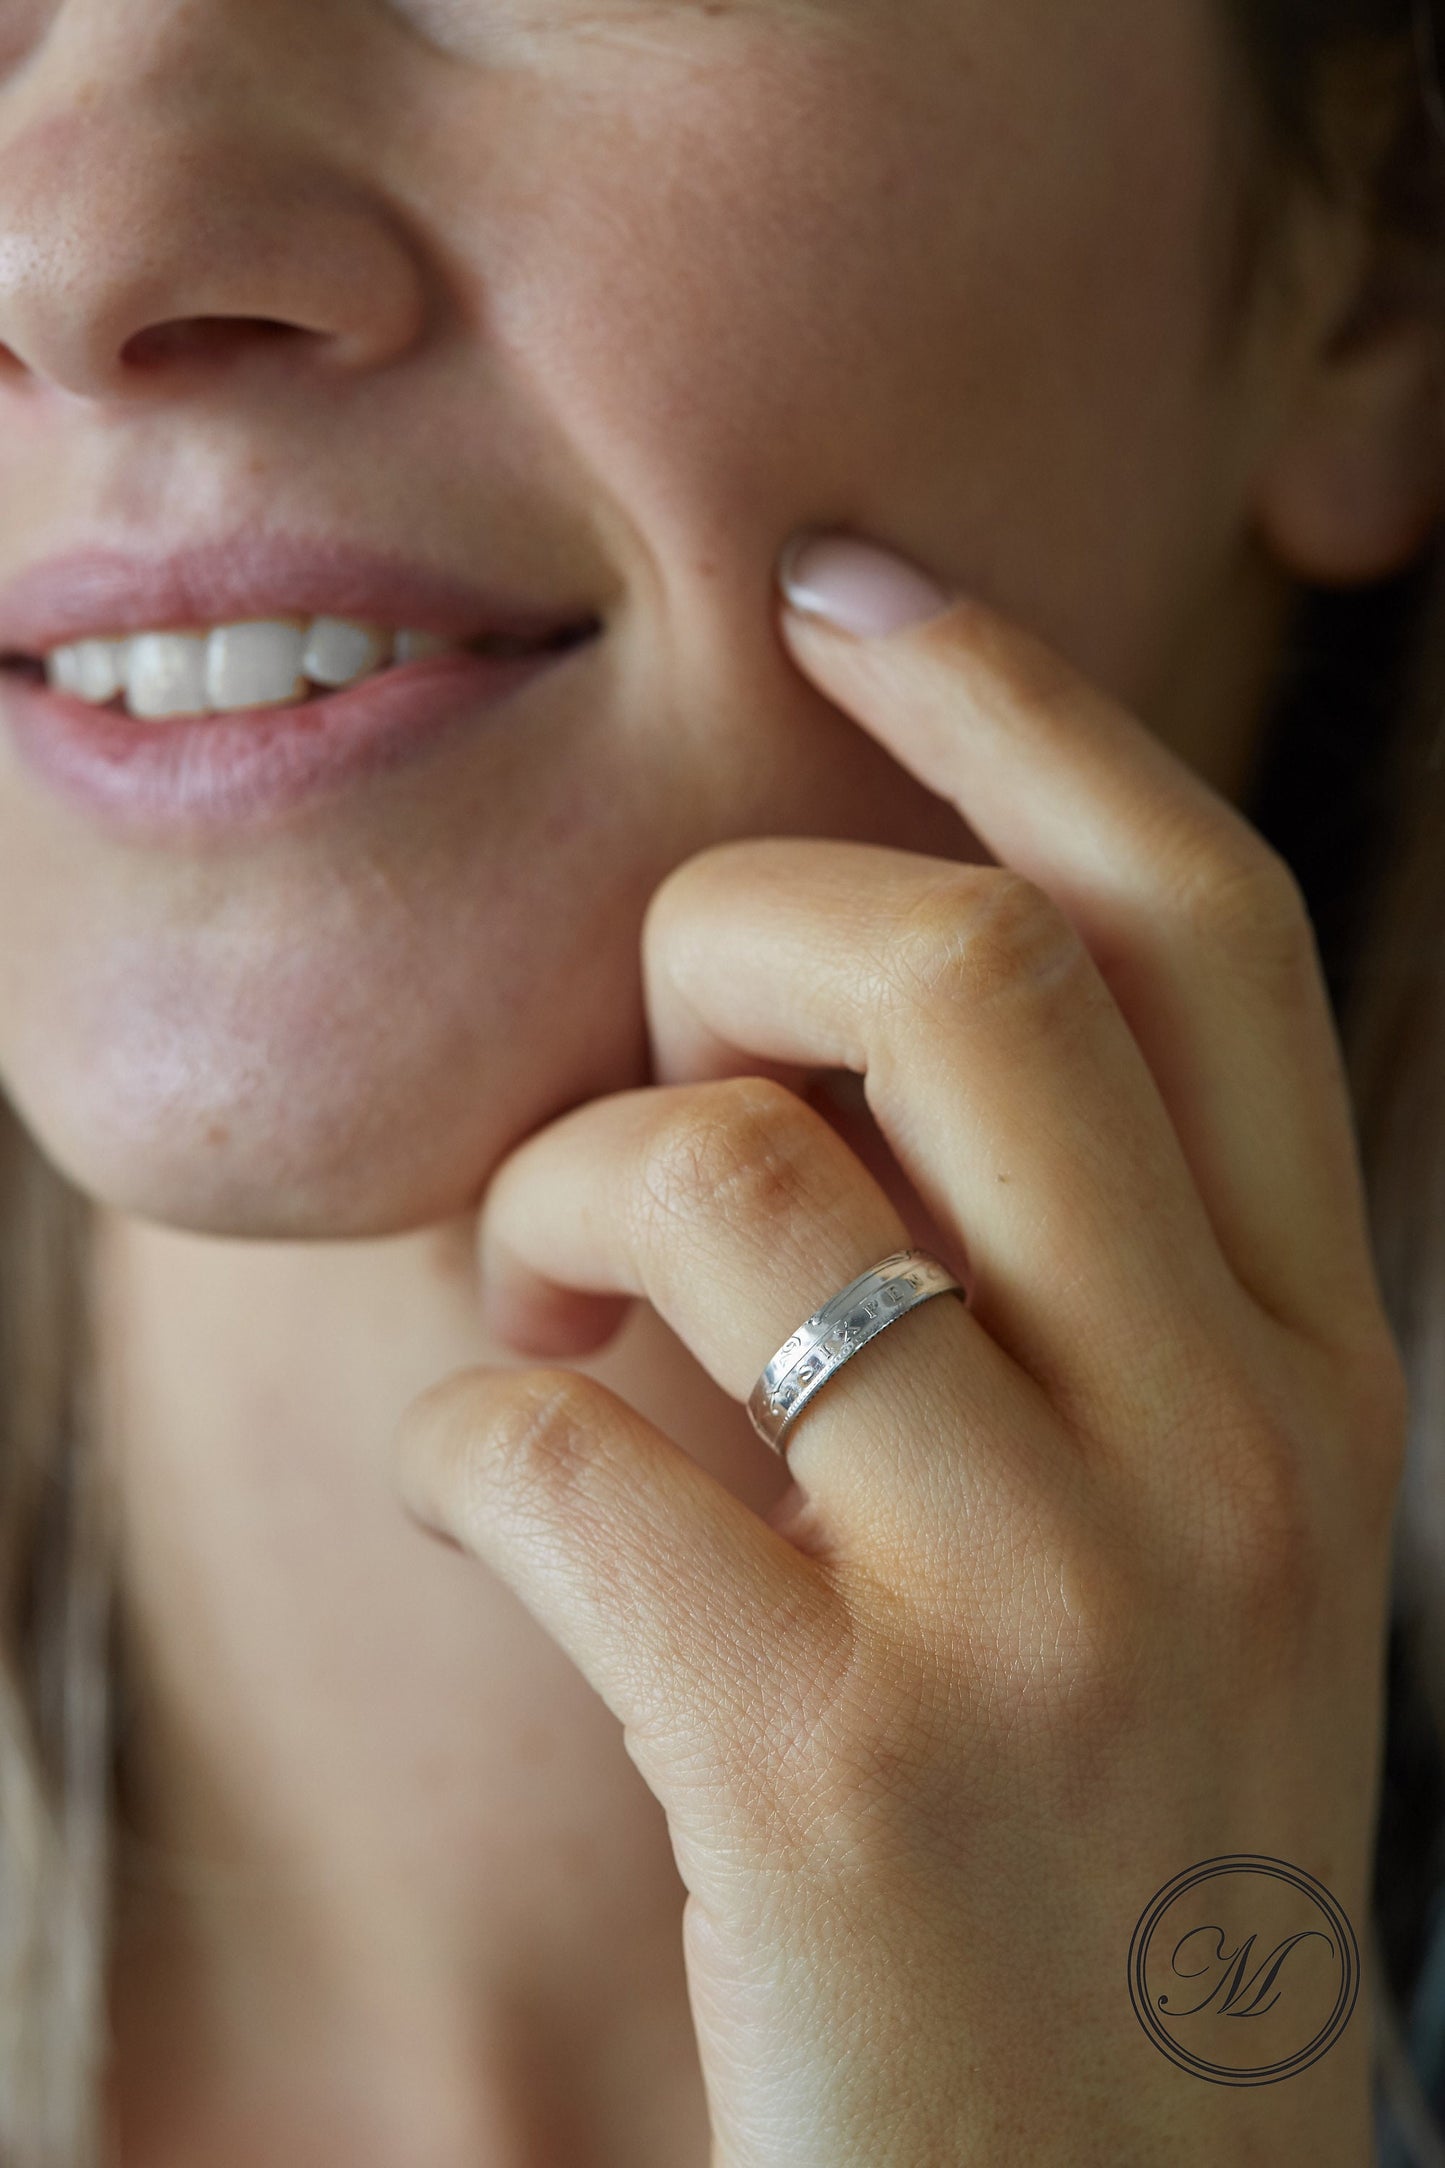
(856,586)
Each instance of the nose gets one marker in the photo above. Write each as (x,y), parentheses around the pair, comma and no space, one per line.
(173,197)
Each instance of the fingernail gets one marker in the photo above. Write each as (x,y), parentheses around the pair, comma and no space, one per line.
(857,586)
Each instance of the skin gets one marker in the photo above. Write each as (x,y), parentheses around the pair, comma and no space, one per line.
(609,301)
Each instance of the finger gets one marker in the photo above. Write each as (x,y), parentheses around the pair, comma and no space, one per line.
(1002,1075)
(669,1595)
(1196,923)
(736,1211)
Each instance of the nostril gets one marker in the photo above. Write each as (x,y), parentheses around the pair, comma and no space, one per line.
(574,635)
(202,338)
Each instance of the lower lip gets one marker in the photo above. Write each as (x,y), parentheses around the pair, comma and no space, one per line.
(210,774)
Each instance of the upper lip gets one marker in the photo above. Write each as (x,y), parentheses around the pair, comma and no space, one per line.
(229,579)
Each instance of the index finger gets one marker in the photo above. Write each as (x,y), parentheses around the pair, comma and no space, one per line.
(1196,923)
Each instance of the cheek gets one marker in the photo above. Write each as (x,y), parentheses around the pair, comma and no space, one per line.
(953,288)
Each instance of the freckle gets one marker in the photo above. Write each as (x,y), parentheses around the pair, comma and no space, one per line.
(218,1133)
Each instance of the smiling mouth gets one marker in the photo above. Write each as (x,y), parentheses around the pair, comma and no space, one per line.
(192,672)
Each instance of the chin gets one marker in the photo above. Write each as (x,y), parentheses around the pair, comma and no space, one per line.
(245,1172)
(338,1101)
(264,1151)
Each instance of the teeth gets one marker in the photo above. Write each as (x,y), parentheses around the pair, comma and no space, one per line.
(166,674)
(92,669)
(260,663)
(253,666)
(338,653)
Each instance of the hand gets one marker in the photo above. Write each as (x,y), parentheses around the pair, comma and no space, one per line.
(1081,1583)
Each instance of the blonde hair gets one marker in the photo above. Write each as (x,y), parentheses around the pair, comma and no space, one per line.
(57,1674)
(62,1690)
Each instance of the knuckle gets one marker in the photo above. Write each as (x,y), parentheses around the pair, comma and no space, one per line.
(536,1434)
(1085,1684)
(740,1147)
(978,933)
(1266,1566)
(494,1442)
(1242,895)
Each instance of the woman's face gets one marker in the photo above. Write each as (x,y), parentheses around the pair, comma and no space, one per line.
(593,299)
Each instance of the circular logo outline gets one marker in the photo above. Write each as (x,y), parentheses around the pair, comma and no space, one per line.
(1209,1870)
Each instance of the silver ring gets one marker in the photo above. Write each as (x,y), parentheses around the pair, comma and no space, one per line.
(833,1335)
